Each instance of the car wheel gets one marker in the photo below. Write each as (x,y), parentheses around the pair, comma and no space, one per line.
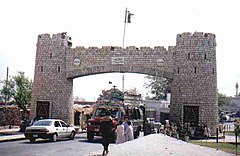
(72,135)
(32,139)
(54,137)
(90,136)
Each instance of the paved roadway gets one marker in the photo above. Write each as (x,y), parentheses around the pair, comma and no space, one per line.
(79,146)
(151,145)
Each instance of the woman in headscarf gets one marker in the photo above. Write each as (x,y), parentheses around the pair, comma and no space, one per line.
(106,127)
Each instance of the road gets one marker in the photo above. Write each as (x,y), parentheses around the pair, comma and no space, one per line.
(79,146)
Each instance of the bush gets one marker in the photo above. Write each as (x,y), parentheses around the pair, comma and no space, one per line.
(9,115)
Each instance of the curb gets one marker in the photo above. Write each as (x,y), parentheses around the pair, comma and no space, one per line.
(11,139)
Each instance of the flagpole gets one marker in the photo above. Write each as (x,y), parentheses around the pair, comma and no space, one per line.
(125,21)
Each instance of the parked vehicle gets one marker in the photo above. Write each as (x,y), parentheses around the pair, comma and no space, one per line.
(121,105)
(93,124)
(135,114)
(49,129)
(117,113)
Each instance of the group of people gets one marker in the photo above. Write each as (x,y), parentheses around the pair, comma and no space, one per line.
(124,131)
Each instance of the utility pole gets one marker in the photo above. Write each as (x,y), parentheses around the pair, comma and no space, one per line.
(7,75)
(6,85)
(123,83)
(236,86)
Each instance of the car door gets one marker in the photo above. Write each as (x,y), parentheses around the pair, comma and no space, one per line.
(65,129)
(59,129)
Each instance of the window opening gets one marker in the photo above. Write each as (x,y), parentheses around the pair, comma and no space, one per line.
(189,56)
(112,48)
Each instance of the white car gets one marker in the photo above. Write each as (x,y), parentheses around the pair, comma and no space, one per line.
(49,129)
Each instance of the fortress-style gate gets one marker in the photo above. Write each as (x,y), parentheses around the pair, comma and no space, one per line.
(191,65)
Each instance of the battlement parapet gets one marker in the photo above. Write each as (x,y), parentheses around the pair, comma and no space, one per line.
(58,36)
(145,48)
(60,39)
(113,48)
(189,35)
(197,38)
(131,48)
(93,48)
(44,36)
(104,49)
(80,48)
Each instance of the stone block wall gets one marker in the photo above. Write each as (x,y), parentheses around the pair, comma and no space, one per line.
(50,82)
(195,79)
(191,64)
(107,59)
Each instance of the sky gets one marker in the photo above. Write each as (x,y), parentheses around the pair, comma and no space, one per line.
(101,23)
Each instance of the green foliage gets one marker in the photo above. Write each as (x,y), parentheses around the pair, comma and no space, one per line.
(18,89)
(158,86)
(7,90)
(237,125)
(223,100)
(229,147)
(22,90)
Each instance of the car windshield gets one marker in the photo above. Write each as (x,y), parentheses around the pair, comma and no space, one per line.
(43,123)
(100,112)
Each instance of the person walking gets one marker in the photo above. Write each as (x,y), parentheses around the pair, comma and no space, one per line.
(120,133)
(129,132)
(125,125)
(106,127)
(82,121)
(206,132)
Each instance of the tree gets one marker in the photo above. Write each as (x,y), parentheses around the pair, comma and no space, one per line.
(7,90)
(158,86)
(223,100)
(23,89)
(17,89)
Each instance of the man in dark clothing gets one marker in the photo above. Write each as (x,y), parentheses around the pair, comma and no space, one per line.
(106,127)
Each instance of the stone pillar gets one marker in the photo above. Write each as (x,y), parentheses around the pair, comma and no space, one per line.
(50,84)
(194,86)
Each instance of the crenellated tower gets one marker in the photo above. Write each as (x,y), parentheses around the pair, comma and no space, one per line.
(194,86)
(52,92)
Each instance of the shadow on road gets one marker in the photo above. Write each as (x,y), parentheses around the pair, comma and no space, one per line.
(95,141)
(43,141)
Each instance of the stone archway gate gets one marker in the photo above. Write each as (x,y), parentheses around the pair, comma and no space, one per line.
(191,65)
